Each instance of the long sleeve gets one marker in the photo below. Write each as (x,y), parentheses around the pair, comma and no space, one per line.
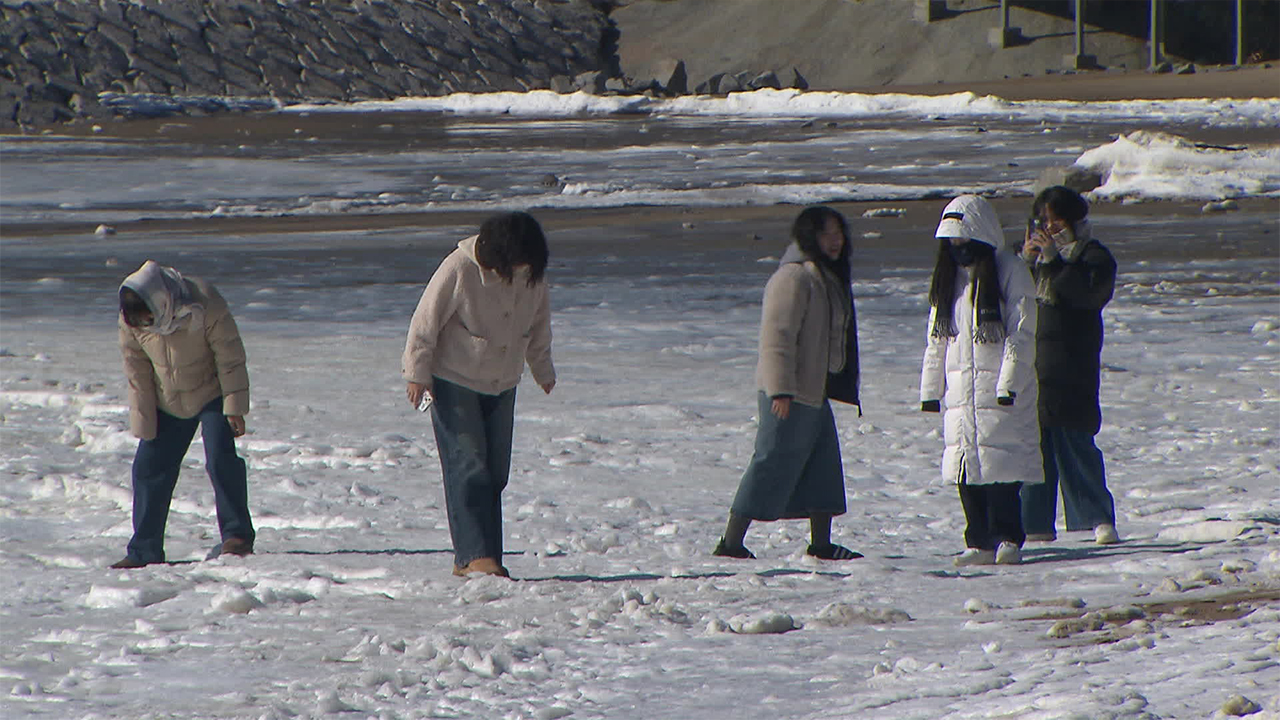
(785,300)
(538,352)
(438,303)
(933,375)
(1019,311)
(141,377)
(229,357)
(1086,284)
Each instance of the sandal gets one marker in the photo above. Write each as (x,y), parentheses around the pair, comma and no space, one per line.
(831,551)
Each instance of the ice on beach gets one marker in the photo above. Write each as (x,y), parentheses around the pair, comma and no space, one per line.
(1160,166)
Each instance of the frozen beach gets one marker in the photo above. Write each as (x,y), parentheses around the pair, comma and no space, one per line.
(663,228)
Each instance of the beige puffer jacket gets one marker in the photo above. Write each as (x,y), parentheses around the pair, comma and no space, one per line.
(796,338)
(182,372)
(476,330)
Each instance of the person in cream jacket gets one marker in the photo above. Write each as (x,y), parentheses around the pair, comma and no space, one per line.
(484,314)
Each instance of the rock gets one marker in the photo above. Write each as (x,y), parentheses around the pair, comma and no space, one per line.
(710,86)
(1239,705)
(563,85)
(676,80)
(1162,68)
(592,82)
(768,79)
(1188,69)
(1080,179)
(549,181)
(728,84)
(1220,206)
(104,231)
(797,81)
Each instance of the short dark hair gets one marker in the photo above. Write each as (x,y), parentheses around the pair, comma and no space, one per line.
(510,239)
(132,307)
(813,220)
(1063,201)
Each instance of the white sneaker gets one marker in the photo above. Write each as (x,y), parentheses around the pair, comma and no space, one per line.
(1042,537)
(1105,534)
(1008,554)
(974,556)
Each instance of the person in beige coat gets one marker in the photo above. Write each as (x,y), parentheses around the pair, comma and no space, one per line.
(808,356)
(484,314)
(185,364)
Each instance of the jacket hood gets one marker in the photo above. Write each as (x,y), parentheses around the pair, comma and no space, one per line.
(519,273)
(972,217)
(165,293)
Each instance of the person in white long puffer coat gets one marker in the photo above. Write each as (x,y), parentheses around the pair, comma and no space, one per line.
(980,363)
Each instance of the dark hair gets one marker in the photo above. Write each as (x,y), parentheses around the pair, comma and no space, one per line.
(512,239)
(1063,201)
(133,307)
(813,220)
(986,292)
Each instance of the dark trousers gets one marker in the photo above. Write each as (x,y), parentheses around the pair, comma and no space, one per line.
(155,474)
(1072,461)
(473,437)
(992,514)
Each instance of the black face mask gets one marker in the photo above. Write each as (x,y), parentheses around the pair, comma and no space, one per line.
(964,254)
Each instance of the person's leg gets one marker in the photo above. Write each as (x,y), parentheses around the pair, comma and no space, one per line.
(782,448)
(228,474)
(155,474)
(499,420)
(977,528)
(1086,501)
(1039,501)
(1005,511)
(820,530)
(464,461)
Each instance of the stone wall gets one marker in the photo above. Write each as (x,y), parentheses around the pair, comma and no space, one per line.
(63,60)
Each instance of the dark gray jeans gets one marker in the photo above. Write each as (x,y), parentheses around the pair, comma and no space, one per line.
(473,437)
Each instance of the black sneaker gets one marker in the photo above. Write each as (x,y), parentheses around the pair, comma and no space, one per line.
(739,552)
(831,551)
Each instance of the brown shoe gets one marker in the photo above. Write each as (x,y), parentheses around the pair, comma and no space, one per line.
(128,563)
(485,565)
(237,546)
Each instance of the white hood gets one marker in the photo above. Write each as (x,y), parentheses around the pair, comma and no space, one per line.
(969,216)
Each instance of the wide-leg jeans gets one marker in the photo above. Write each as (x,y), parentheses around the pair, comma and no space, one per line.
(473,436)
(1073,462)
(155,474)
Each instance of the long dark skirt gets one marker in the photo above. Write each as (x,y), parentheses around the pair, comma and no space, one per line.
(795,471)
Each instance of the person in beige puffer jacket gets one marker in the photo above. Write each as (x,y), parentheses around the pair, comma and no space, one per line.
(185,364)
(484,314)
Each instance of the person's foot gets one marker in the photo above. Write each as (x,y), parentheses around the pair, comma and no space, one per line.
(1105,534)
(237,546)
(1042,537)
(128,563)
(975,556)
(1008,554)
(740,552)
(831,551)
(484,565)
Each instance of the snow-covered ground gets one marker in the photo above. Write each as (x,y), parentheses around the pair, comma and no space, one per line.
(621,480)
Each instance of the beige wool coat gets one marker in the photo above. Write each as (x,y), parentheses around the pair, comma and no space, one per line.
(477,330)
(797,343)
(182,372)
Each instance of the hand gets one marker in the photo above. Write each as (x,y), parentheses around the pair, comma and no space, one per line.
(237,425)
(1006,400)
(781,407)
(414,391)
(931,406)
(1038,243)
(548,387)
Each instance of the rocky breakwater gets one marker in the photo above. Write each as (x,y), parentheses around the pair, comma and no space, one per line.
(63,60)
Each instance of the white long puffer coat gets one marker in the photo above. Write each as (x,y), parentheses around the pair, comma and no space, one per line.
(986,442)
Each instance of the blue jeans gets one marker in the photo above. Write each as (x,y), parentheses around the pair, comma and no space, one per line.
(1071,460)
(473,437)
(155,474)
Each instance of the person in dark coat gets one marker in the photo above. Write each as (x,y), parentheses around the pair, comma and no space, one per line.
(808,356)
(1075,278)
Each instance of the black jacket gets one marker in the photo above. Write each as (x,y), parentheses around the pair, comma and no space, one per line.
(1069,337)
